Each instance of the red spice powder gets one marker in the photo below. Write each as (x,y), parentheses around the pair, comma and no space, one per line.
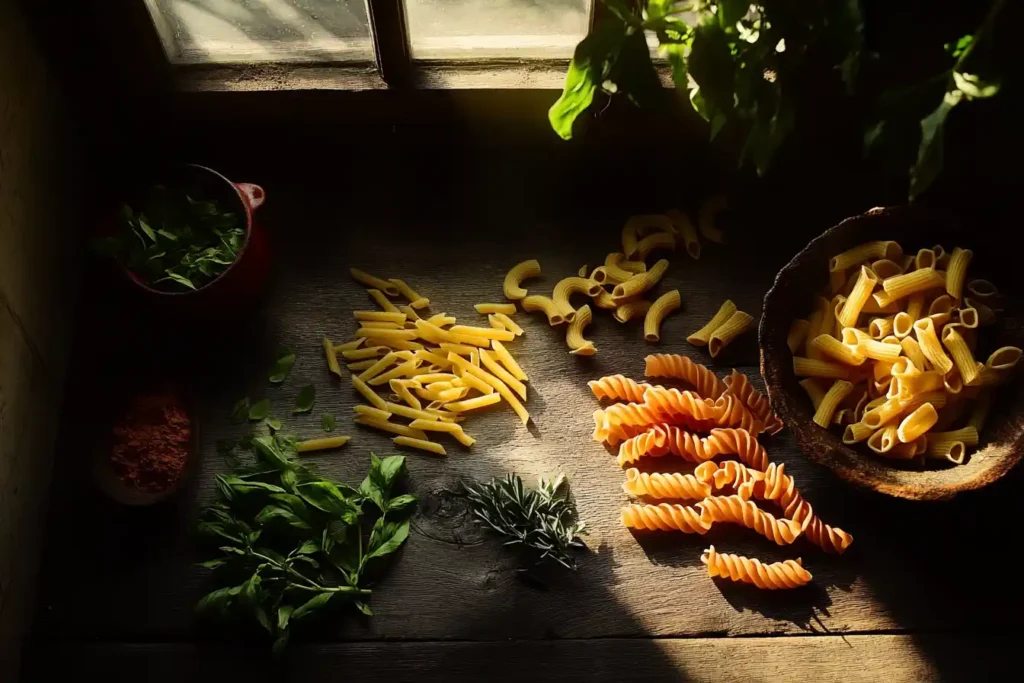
(151,442)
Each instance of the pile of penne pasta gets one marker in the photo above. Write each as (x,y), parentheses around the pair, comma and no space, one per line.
(622,282)
(650,421)
(889,355)
(437,371)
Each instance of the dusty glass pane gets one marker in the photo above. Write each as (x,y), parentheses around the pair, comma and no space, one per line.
(475,29)
(205,31)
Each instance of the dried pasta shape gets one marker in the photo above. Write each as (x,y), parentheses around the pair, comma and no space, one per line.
(672,485)
(775,576)
(638,226)
(574,335)
(738,511)
(665,517)
(512,285)
(741,443)
(680,367)
(665,304)
(732,413)
(618,388)
(536,302)
(830,539)
(566,287)
(739,386)
(777,486)
(738,476)
(612,431)
(674,405)
(664,440)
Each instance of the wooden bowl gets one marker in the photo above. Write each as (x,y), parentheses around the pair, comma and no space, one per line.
(996,258)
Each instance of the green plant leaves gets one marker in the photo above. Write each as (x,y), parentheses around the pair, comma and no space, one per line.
(259,410)
(304,401)
(240,413)
(328,422)
(377,485)
(273,424)
(974,87)
(312,606)
(387,537)
(272,513)
(282,366)
(930,152)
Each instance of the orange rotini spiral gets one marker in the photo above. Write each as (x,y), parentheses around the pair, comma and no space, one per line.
(745,512)
(681,367)
(829,539)
(665,485)
(661,440)
(777,486)
(788,574)
(738,476)
(742,444)
(681,406)
(660,405)
(739,386)
(618,388)
(605,430)
(732,413)
(665,517)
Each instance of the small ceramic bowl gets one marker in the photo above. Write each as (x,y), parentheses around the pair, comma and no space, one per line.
(996,258)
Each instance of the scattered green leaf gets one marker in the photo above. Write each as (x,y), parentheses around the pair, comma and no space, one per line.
(273,424)
(259,410)
(282,366)
(328,422)
(304,401)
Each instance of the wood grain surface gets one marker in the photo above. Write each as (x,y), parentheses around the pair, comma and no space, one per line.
(912,566)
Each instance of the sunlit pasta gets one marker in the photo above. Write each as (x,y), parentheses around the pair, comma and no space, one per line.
(833,349)
(420,444)
(739,385)
(415,300)
(566,287)
(746,513)
(862,289)
(956,273)
(513,280)
(484,309)
(961,354)
(830,402)
(676,366)
(618,388)
(775,576)
(702,336)
(930,346)
(864,252)
(657,485)
(901,286)
(665,517)
(574,334)
(662,306)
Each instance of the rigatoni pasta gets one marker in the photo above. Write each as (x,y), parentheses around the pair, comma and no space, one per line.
(702,336)
(738,323)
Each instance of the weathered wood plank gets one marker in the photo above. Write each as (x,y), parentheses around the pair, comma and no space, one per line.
(850,659)
(132,572)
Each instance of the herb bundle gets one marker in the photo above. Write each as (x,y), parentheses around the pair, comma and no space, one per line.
(289,542)
(543,522)
(175,242)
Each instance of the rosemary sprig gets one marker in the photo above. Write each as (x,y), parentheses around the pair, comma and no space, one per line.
(543,522)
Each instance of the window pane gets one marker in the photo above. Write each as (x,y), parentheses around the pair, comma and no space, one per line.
(475,29)
(204,31)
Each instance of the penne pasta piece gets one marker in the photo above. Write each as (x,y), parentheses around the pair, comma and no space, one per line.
(883,440)
(702,336)
(574,335)
(446,427)
(902,325)
(638,284)
(361,365)
(484,309)
(913,351)
(862,290)
(930,346)
(433,358)
(840,390)
(856,432)
(378,367)
(323,444)
(410,315)
(662,306)
(374,282)
(349,345)
(506,359)
(884,268)
(460,349)
(501,373)
(382,300)
(441,319)
(738,323)
(637,226)
(834,349)
(809,367)
(368,393)
(401,388)
(956,273)
(415,300)
(401,370)
(368,352)
(473,403)
(796,337)
(332,357)
(953,451)
(396,344)
(371,325)
(420,444)
(513,280)
(871,348)
(966,435)
(546,306)
(372,413)
(487,333)
(474,382)
(917,423)
(961,354)
(377,333)
(863,252)
(507,323)
(815,389)
(707,218)
(1004,359)
(880,328)
(410,412)
(687,232)
(902,286)
(380,316)
(844,416)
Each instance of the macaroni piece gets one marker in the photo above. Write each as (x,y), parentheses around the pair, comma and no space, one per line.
(659,240)
(374,282)
(956,273)
(513,280)
(566,287)
(638,284)
(484,309)
(862,289)
(708,217)
(663,305)
(736,325)
(574,334)
(930,346)
(702,336)
(545,305)
(902,286)
(839,391)
(637,226)
(420,444)
(684,226)
(628,311)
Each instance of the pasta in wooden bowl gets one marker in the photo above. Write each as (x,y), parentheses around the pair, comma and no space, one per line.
(891,362)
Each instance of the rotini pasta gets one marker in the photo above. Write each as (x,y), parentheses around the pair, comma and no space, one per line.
(775,576)
(684,486)
(738,323)
(638,284)
(702,336)
(578,346)
(730,474)
(513,280)
(618,388)
(677,366)
(665,517)
(830,539)
(664,439)
(738,385)
(745,512)
(663,305)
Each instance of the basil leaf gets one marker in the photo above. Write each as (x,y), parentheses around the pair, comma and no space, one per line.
(386,538)
(218,600)
(399,503)
(311,606)
(328,422)
(282,366)
(284,615)
(275,512)
(364,608)
(268,450)
(259,410)
(144,226)
(304,401)
(273,424)
(308,548)
(325,496)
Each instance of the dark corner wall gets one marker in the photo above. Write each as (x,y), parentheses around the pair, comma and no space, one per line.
(40,246)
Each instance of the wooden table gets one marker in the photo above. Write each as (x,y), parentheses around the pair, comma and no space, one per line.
(925,592)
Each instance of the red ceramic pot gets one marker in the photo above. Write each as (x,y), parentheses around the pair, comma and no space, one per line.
(244,278)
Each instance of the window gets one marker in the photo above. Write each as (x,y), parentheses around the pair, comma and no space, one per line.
(354,31)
